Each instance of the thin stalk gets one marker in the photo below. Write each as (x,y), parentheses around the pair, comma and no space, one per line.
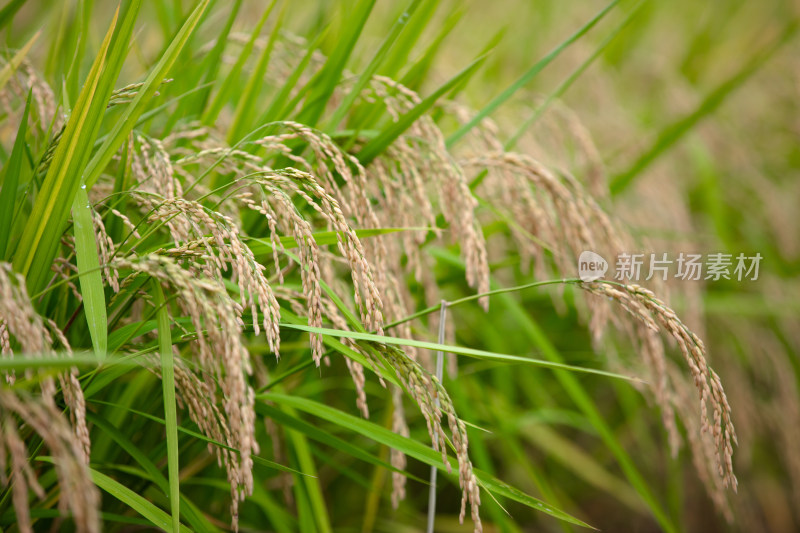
(439,376)
(473,297)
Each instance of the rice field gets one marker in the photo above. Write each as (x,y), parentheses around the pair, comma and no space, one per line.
(359,265)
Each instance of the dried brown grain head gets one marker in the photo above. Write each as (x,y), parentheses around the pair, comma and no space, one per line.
(22,328)
(23,413)
(655,315)
(217,319)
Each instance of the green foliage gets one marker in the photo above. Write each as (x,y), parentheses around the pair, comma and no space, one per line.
(233,233)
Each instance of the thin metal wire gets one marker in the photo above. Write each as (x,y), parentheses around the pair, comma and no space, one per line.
(439,375)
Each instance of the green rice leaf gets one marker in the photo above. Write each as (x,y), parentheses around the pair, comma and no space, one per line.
(138,503)
(676,130)
(310,482)
(414,449)
(418,21)
(245,107)
(367,73)
(123,126)
(256,459)
(377,145)
(328,78)
(478,354)
(191,513)
(567,83)
(416,74)
(11,175)
(43,231)
(91,280)
(170,408)
(232,79)
(8,12)
(11,66)
(281,105)
(523,80)
(213,60)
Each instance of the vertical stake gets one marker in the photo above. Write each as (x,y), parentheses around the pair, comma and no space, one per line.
(439,375)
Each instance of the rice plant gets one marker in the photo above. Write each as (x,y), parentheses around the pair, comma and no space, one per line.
(317,267)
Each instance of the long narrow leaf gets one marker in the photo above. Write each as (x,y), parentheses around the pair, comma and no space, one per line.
(414,449)
(12,170)
(221,98)
(170,408)
(192,514)
(44,228)
(567,83)
(242,118)
(8,12)
(133,111)
(328,78)
(156,516)
(11,66)
(523,80)
(478,354)
(675,131)
(377,145)
(281,105)
(366,74)
(91,280)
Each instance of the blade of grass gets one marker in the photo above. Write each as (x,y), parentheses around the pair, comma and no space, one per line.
(230,81)
(91,280)
(24,362)
(243,115)
(138,503)
(478,354)
(418,72)
(279,107)
(523,80)
(302,451)
(675,131)
(377,145)
(581,464)
(170,409)
(12,171)
(80,39)
(10,518)
(192,514)
(412,448)
(578,395)
(398,55)
(123,126)
(567,83)
(256,459)
(366,75)
(490,45)
(336,345)
(8,12)
(328,77)
(328,439)
(43,231)
(213,60)
(13,64)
